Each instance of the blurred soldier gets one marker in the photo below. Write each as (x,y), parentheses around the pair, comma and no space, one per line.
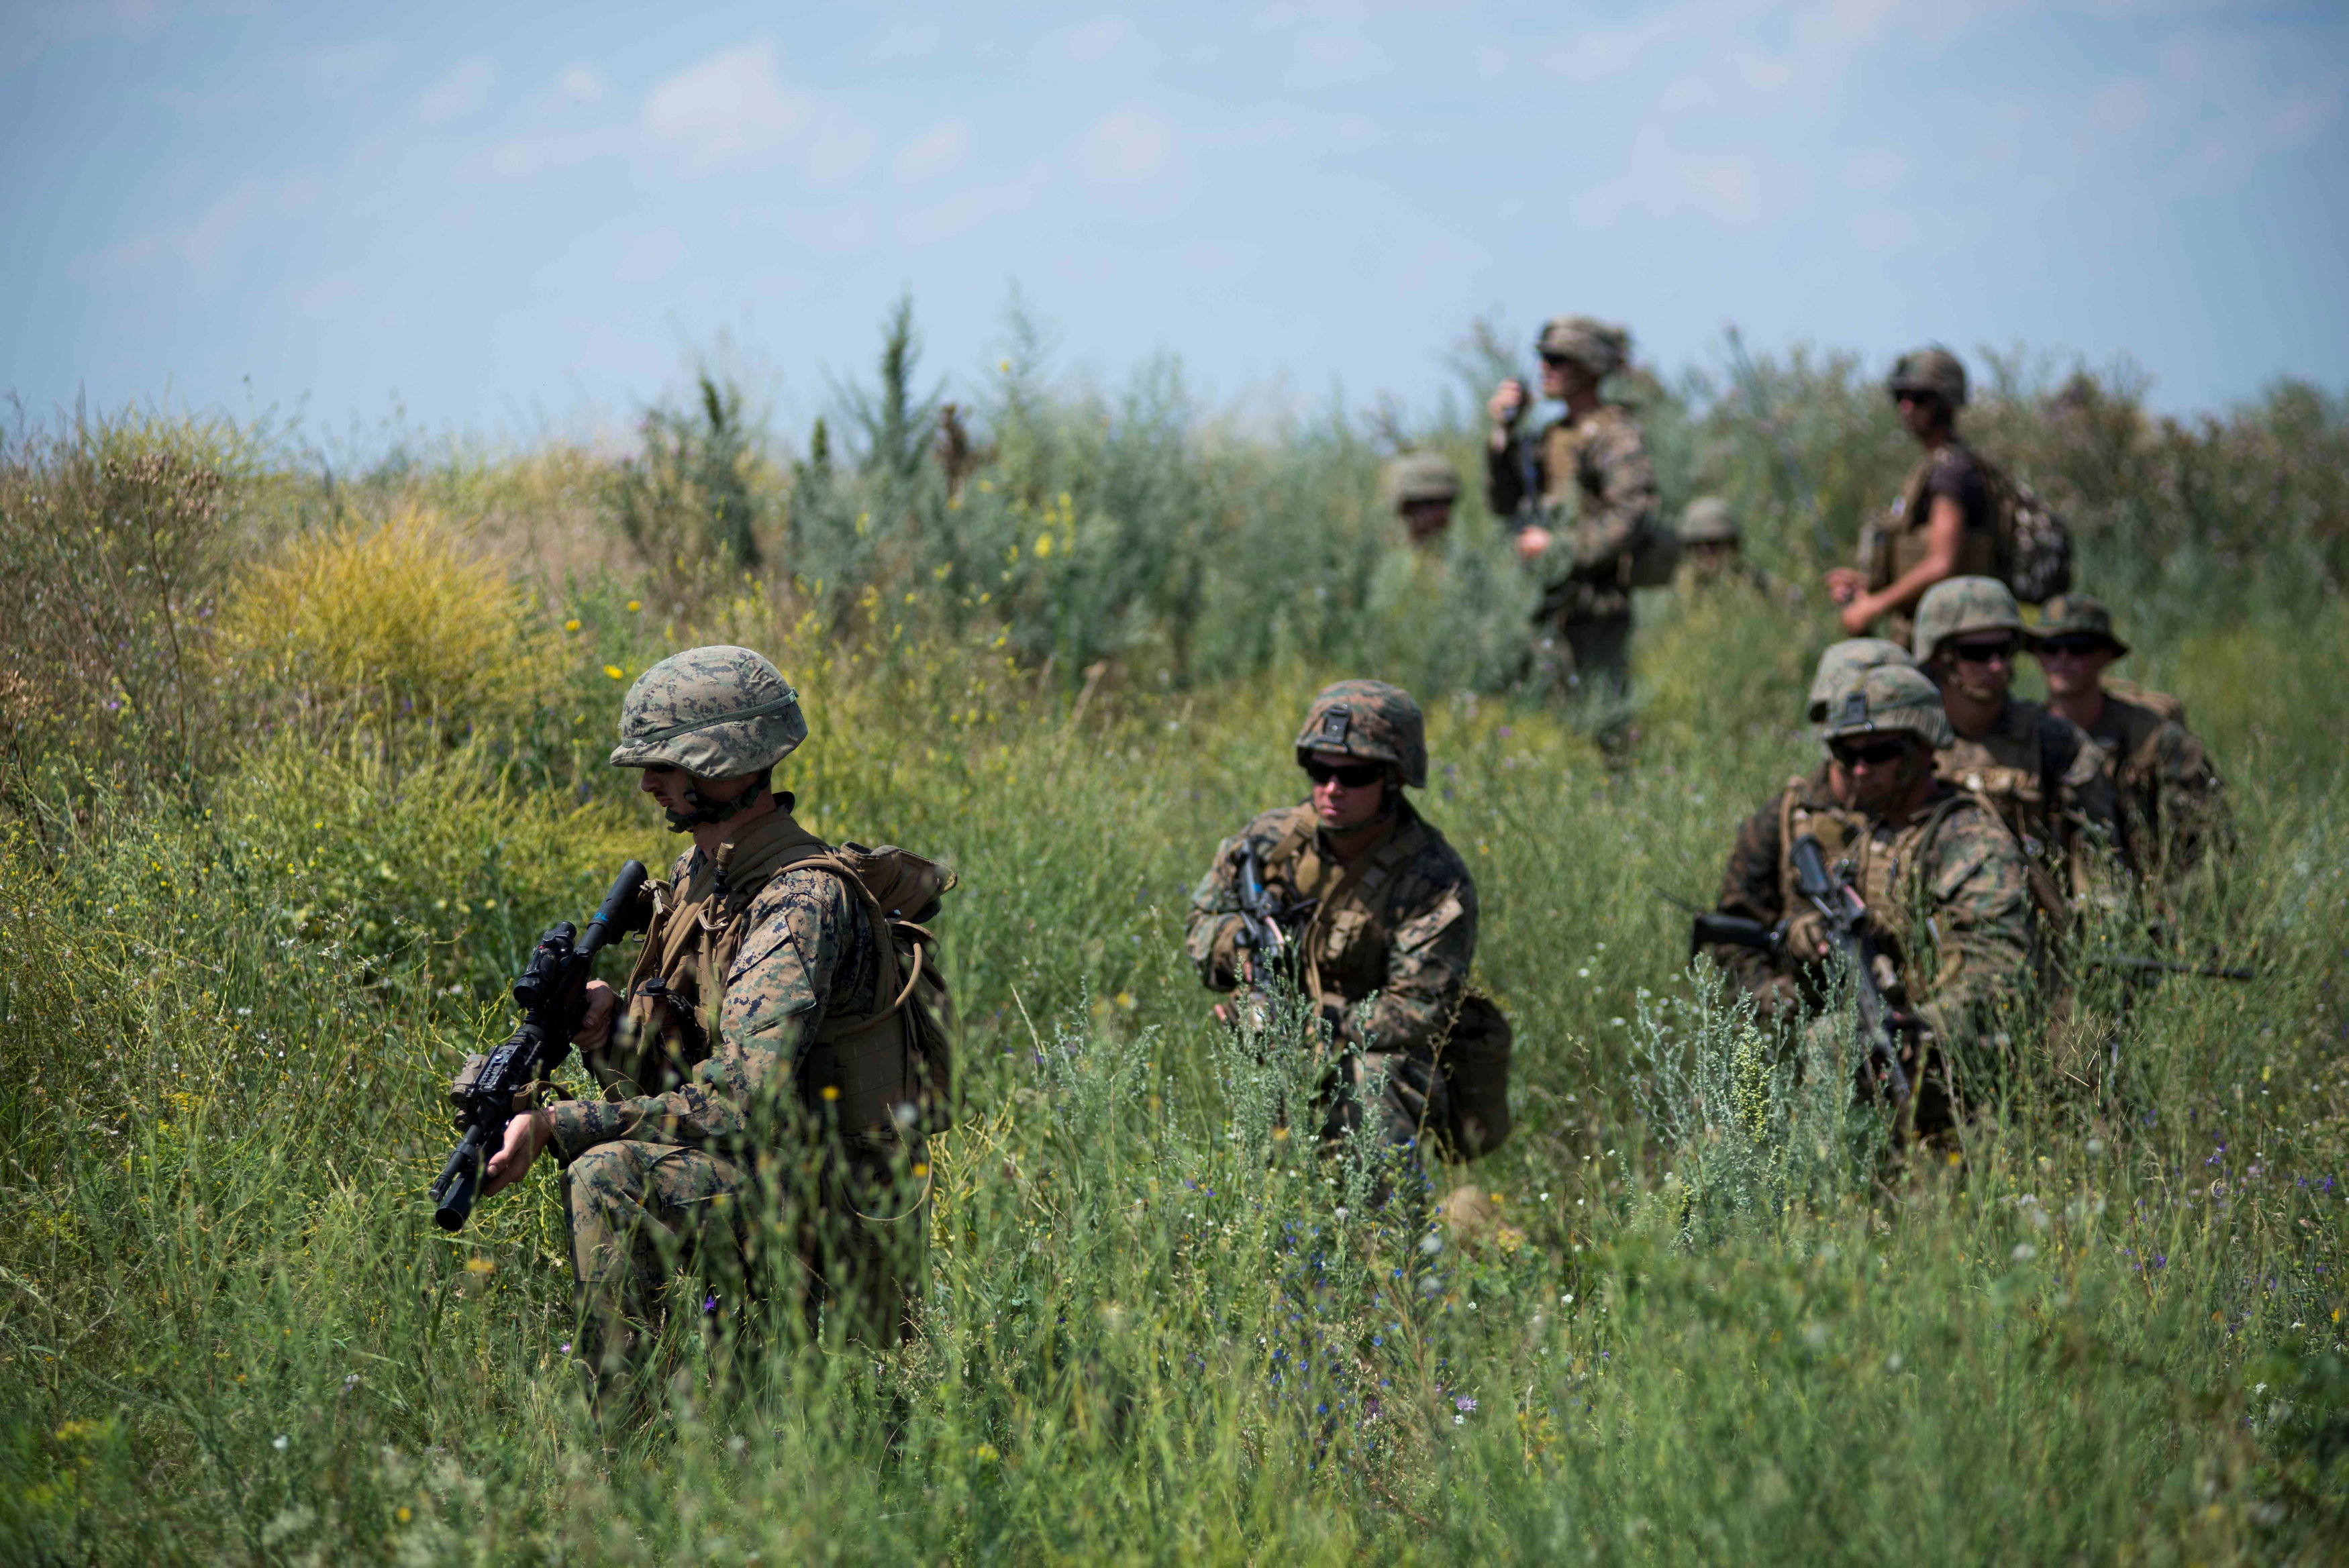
(1421,488)
(1594,454)
(758,1062)
(1750,883)
(1943,883)
(2040,773)
(1373,905)
(2171,806)
(1712,547)
(1944,523)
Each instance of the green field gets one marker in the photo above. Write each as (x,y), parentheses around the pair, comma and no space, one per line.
(301,757)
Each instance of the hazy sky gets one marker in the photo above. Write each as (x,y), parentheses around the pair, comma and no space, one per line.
(527,216)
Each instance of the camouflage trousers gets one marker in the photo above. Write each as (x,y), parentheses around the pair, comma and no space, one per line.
(1411,1106)
(1585,661)
(839,1234)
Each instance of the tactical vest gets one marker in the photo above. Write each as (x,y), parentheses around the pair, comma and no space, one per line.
(1653,554)
(882,1071)
(1887,872)
(1894,544)
(2021,779)
(1343,948)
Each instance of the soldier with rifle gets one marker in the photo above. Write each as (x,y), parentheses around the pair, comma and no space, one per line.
(1353,898)
(775,1061)
(1885,875)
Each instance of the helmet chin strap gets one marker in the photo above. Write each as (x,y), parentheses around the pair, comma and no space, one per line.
(703,811)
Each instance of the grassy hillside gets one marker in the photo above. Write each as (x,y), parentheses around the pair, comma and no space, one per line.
(297,771)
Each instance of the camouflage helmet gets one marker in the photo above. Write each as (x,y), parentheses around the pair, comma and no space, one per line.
(1844,663)
(2077,615)
(1708,520)
(1371,721)
(1935,370)
(1957,605)
(1599,346)
(1889,697)
(719,712)
(1421,476)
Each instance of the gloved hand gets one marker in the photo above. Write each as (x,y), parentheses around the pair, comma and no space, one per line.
(1806,936)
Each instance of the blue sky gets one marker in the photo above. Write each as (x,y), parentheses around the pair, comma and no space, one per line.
(526,217)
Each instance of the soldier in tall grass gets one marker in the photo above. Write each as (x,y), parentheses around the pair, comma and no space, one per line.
(1375,907)
(1944,523)
(2171,805)
(1942,880)
(2039,771)
(753,1073)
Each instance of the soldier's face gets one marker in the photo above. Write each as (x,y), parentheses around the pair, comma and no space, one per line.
(1426,520)
(1919,411)
(1875,773)
(668,786)
(1347,791)
(2075,667)
(1981,665)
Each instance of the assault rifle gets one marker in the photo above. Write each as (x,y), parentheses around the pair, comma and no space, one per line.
(552,993)
(1263,921)
(1838,904)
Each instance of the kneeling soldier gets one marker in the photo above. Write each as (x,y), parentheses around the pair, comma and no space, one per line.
(1379,909)
(1942,880)
(766,1085)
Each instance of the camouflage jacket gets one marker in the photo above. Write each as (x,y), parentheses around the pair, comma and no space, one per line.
(2169,797)
(1948,899)
(2048,781)
(1602,462)
(807,951)
(1398,922)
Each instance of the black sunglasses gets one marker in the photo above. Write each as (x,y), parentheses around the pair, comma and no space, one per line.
(1353,776)
(2079,647)
(1983,653)
(1870,753)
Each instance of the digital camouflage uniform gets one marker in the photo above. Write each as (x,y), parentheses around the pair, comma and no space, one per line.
(1395,926)
(1600,464)
(2039,771)
(1892,545)
(1750,882)
(751,1080)
(1948,905)
(2172,804)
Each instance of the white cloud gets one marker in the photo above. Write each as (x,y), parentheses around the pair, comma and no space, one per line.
(581,85)
(1127,146)
(966,209)
(651,256)
(733,110)
(2121,108)
(204,243)
(1096,40)
(464,89)
(941,150)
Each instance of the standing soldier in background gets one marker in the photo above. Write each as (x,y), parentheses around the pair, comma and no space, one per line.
(1421,488)
(1751,882)
(2171,808)
(1944,523)
(756,1070)
(2040,773)
(1375,906)
(1713,548)
(1595,455)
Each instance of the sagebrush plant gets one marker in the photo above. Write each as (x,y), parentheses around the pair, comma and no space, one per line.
(1155,1327)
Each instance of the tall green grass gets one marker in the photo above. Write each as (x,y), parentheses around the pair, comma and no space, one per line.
(1717,1326)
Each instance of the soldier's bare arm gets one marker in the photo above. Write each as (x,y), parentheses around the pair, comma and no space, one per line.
(1945,528)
